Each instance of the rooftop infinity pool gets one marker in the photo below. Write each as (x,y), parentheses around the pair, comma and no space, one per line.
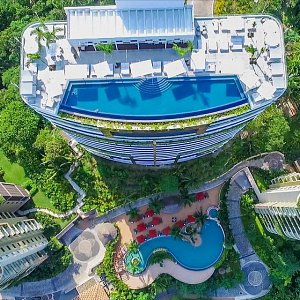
(187,255)
(153,98)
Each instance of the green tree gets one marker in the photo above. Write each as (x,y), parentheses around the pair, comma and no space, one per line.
(200,217)
(133,214)
(268,131)
(19,126)
(133,247)
(175,232)
(156,205)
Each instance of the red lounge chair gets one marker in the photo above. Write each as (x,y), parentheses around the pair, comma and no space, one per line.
(200,196)
(152,233)
(167,230)
(140,239)
(191,219)
(141,227)
(156,220)
(149,213)
(179,224)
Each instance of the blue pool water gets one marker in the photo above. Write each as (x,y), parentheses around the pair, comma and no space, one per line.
(154,98)
(190,257)
(213,213)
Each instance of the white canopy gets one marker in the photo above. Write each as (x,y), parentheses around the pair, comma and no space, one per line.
(57,76)
(233,23)
(266,90)
(198,60)
(250,79)
(175,68)
(54,90)
(76,71)
(272,39)
(141,68)
(270,26)
(101,69)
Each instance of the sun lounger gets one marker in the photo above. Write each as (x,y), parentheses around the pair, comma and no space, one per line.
(156,67)
(279,82)
(212,45)
(125,69)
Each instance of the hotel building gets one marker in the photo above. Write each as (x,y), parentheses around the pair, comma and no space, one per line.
(278,207)
(12,197)
(113,81)
(22,242)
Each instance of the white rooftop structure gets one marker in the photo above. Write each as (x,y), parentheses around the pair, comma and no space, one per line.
(76,71)
(125,4)
(111,23)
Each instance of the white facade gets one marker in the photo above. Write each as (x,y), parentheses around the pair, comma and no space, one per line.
(127,4)
(278,206)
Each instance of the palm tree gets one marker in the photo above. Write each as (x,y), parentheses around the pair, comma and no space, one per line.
(156,205)
(133,247)
(175,232)
(200,217)
(39,33)
(133,214)
(185,198)
(50,36)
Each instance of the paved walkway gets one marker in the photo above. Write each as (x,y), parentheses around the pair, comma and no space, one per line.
(171,268)
(75,276)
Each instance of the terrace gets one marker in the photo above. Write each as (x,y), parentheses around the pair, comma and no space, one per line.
(250,47)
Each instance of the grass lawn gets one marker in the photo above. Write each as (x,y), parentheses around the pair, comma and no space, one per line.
(14,173)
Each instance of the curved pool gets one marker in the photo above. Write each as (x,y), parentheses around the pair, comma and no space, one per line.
(188,256)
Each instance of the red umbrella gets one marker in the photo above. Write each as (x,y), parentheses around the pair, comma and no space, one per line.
(156,221)
(149,213)
(140,239)
(141,227)
(200,196)
(167,230)
(179,224)
(152,233)
(191,219)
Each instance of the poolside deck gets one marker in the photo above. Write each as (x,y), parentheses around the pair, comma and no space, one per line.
(222,42)
(148,276)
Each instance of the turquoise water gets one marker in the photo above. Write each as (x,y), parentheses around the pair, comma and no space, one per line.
(188,256)
(155,98)
(213,213)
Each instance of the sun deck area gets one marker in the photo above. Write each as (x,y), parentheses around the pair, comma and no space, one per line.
(249,47)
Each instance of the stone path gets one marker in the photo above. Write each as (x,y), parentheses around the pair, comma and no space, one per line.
(256,279)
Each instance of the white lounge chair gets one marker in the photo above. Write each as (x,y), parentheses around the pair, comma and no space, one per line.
(212,45)
(156,67)
(277,68)
(215,25)
(125,69)
(237,42)
(278,82)
(223,45)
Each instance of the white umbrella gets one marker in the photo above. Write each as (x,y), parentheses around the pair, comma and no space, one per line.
(250,79)
(175,68)
(272,39)
(266,90)
(141,68)
(198,60)
(76,71)
(101,69)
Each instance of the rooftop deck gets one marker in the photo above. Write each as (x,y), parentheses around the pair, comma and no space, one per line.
(220,47)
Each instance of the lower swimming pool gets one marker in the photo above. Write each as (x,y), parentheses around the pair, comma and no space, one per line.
(187,255)
(153,98)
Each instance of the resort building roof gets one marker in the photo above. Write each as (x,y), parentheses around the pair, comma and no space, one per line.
(110,23)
